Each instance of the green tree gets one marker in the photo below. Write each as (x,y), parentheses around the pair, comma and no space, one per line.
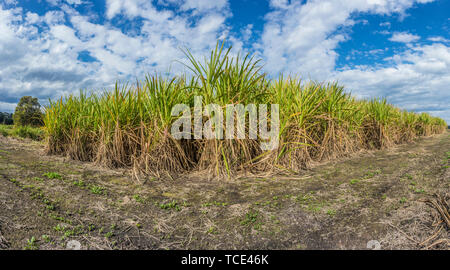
(6,118)
(28,112)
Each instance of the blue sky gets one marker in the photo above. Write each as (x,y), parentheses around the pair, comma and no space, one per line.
(399,49)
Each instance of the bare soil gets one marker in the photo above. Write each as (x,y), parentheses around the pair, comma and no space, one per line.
(46,201)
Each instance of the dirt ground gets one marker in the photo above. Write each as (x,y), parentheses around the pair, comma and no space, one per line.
(46,201)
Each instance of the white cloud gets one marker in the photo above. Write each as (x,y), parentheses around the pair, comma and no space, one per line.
(65,34)
(439,39)
(136,8)
(301,37)
(204,5)
(383,32)
(417,80)
(247,32)
(281,4)
(75,2)
(404,37)
(41,54)
(7,107)
(32,18)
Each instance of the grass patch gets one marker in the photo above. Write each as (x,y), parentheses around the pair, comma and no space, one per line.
(138,198)
(208,204)
(354,181)
(250,218)
(97,189)
(31,244)
(38,179)
(25,132)
(52,175)
(80,183)
(171,205)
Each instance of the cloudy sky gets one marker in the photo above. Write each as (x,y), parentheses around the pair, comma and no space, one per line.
(398,49)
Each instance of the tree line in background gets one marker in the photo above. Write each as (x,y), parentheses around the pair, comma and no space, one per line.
(26,122)
(6,118)
(27,113)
